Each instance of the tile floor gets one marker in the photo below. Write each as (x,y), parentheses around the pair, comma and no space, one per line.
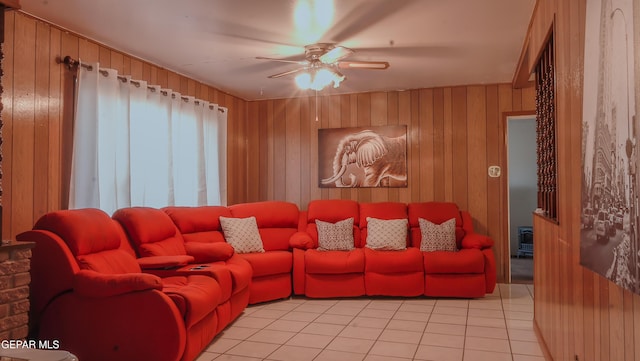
(496,328)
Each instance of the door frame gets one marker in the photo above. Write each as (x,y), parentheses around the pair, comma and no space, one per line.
(505,252)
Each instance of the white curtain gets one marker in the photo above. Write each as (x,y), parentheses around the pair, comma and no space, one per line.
(140,145)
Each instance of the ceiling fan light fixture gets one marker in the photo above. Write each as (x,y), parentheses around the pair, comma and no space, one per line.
(318,79)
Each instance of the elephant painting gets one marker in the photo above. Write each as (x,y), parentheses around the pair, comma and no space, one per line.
(369,158)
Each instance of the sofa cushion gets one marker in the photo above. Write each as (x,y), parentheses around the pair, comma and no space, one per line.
(277,221)
(85,231)
(151,230)
(438,237)
(198,224)
(93,284)
(333,210)
(389,262)
(334,262)
(242,234)
(112,261)
(195,296)
(463,261)
(204,252)
(335,236)
(269,263)
(387,234)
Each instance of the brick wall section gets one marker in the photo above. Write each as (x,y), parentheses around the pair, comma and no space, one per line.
(15,258)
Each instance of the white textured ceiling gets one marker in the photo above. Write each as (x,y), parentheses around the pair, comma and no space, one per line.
(428,43)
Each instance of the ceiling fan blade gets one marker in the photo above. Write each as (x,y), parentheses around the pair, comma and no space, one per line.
(285,73)
(377,65)
(299,62)
(336,54)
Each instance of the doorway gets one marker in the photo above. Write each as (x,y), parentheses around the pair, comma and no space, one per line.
(522,195)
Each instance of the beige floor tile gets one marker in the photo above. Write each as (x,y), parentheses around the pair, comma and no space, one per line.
(252,322)
(527,358)
(343,310)
(334,319)
(447,310)
(526,348)
(438,353)
(300,316)
(286,325)
(309,340)
(384,358)
(448,319)
(367,333)
(269,313)
(350,345)
(489,332)
(322,329)
(486,304)
(313,307)
(286,305)
(453,303)
(519,324)
(486,344)
(222,345)
(518,307)
(446,329)
(272,336)
(368,312)
(440,339)
(416,307)
(238,333)
(252,349)
(207,356)
(236,358)
(384,305)
(354,302)
(480,312)
(294,353)
(400,336)
(394,349)
(486,322)
(516,315)
(406,325)
(331,355)
(420,301)
(412,316)
(522,335)
(477,355)
(362,321)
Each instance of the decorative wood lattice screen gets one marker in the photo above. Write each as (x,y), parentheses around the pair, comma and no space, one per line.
(546,132)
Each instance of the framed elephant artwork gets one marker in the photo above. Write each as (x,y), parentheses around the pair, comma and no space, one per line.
(363,157)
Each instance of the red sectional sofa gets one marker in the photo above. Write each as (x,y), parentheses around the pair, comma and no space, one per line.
(468,272)
(161,283)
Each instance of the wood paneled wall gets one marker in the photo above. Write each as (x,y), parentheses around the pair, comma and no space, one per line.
(454,134)
(38,110)
(578,313)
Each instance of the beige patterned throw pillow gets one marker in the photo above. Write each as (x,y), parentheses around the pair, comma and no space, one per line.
(386,234)
(242,234)
(335,236)
(438,237)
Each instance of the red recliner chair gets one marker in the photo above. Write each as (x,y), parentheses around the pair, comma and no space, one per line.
(154,235)
(91,295)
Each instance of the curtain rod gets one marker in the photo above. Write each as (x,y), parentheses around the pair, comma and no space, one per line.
(72,63)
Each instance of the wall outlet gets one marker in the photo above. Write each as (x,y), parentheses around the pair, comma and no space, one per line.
(494,171)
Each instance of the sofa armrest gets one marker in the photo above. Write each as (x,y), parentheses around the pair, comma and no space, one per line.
(209,252)
(93,284)
(164,262)
(477,241)
(301,240)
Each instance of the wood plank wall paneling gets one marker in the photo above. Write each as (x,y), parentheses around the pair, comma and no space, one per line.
(38,108)
(577,312)
(454,134)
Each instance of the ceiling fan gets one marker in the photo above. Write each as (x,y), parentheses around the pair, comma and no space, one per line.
(322,65)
